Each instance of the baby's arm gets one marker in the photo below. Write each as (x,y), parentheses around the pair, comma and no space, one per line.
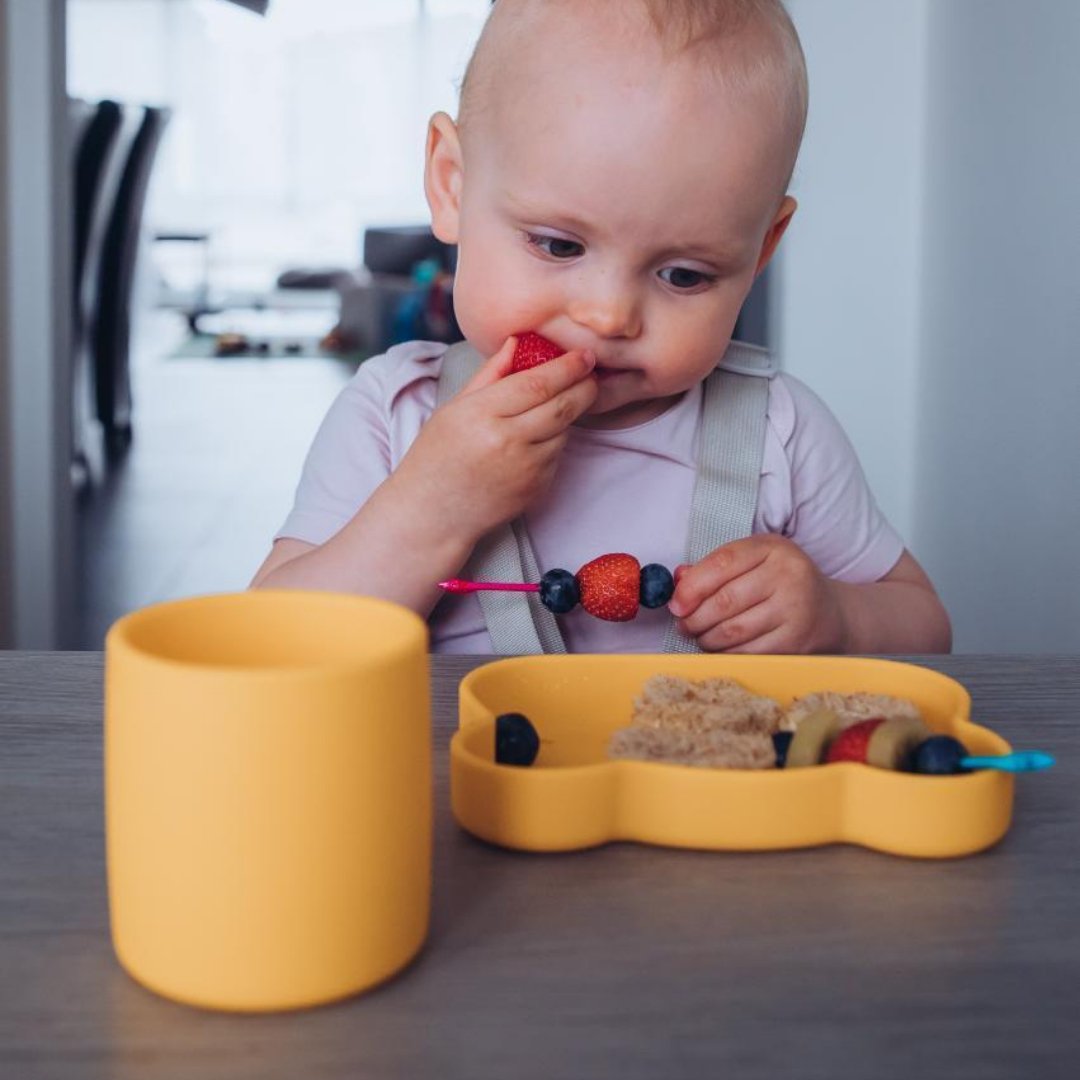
(765,595)
(477,463)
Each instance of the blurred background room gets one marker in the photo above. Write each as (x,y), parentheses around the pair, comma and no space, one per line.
(212,212)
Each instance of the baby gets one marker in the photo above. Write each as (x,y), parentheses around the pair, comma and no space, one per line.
(615,180)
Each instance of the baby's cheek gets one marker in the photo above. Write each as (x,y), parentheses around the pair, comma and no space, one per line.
(482,311)
(478,333)
(495,296)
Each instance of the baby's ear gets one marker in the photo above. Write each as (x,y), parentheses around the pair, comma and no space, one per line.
(776,230)
(443,175)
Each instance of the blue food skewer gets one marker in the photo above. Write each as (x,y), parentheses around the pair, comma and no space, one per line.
(1020,761)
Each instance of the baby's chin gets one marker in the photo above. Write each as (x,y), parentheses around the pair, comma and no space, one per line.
(604,416)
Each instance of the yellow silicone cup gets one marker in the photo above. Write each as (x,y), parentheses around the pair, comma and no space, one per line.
(573,796)
(267,796)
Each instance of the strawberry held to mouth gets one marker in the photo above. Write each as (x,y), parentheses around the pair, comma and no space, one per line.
(532,350)
(610,587)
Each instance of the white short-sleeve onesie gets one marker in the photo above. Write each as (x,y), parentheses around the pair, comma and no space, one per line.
(627,490)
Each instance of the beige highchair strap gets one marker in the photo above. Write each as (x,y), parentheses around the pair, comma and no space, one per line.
(731,441)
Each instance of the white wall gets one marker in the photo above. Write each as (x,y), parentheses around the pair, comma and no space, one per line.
(847,319)
(291,133)
(999,407)
(930,290)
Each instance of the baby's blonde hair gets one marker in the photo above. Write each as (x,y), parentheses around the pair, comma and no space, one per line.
(690,24)
(703,27)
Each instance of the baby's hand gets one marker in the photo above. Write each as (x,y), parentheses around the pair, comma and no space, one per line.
(486,455)
(759,595)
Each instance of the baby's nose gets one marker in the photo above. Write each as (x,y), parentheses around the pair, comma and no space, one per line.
(607,312)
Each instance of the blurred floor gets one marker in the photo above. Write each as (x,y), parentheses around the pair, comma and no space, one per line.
(210,474)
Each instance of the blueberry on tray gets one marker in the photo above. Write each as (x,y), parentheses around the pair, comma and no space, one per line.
(516,741)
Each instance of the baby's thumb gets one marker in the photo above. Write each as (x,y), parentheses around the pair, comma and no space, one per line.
(494,368)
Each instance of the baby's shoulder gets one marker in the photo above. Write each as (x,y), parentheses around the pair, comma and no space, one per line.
(792,405)
(797,412)
(403,373)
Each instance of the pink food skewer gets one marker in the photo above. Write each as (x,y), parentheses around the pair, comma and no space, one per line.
(456,585)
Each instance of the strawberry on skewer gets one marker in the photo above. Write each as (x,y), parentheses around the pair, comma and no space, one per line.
(610,587)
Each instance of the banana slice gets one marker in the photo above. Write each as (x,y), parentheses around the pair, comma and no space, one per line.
(893,742)
(812,738)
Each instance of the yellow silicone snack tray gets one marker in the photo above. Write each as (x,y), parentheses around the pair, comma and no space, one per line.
(574,796)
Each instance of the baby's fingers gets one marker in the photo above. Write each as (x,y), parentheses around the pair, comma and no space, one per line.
(729,606)
(759,630)
(525,390)
(554,416)
(716,579)
(493,369)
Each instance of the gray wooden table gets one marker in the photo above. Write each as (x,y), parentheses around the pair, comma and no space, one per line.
(626,961)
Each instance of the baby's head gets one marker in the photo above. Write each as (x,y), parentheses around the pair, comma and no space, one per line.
(616,179)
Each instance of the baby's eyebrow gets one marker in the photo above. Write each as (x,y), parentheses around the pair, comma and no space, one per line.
(722,254)
(537,213)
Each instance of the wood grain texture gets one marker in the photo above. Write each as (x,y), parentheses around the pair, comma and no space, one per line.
(626,961)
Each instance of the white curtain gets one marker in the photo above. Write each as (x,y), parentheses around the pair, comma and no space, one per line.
(290,133)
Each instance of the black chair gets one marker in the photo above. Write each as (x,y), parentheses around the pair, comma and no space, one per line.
(81,115)
(116,280)
(99,142)
(396,249)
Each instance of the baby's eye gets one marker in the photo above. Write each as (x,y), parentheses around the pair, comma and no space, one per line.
(555,246)
(682,277)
